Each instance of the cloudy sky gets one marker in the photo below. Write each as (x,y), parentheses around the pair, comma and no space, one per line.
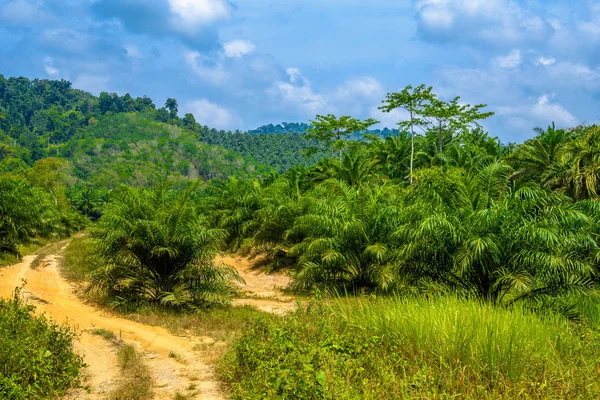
(243,63)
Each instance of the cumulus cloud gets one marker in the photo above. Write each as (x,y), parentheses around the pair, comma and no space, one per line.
(487,22)
(24,12)
(541,113)
(297,92)
(238,48)
(211,114)
(133,51)
(205,67)
(366,87)
(190,21)
(546,61)
(191,15)
(511,60)
(50,69)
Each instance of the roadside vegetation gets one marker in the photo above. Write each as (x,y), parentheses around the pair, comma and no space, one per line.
(36,355)
(406,348)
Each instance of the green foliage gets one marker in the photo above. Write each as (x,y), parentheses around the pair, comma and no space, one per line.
(494,239)
(341,239)
(36,356)
(334,132)
(81,258)
(27,212)
(159,249)
(393,348)
(132,149)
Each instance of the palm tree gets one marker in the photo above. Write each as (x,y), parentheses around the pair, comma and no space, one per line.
(578,171)
(341,239)
(20,213)
(536,158)
(495,240)
(159,249)
(236,201)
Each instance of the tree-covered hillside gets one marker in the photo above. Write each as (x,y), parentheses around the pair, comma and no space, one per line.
(38,118)
(131,148)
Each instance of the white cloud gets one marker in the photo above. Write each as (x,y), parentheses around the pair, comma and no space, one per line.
(192,15)
(23,11)
(546,61)
(576,75)
(367,87)
(133,51)
(542,112)
(497,22)
(238,48)
(509,61)
(211,114)
(297,92)
(545,111)
(437,18)
(200,64)
(51,70)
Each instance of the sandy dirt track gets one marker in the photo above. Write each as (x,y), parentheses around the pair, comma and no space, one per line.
(53,295)
(262,291)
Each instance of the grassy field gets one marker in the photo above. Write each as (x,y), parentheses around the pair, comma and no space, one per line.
(402,348)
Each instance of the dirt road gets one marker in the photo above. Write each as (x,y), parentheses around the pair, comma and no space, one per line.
(53,295)
(262,291)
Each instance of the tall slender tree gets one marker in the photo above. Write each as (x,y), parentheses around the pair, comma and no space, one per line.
(334,131)
(412,100)
(449,117)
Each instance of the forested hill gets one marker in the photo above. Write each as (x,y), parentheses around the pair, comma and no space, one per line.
(301,127)
(41,118)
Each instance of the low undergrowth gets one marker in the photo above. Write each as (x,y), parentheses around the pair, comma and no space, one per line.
(36,356)
(222,324)
(136,381)
(33,247)
(394,348)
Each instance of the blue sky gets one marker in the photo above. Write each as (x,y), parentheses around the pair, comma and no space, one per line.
(242,63)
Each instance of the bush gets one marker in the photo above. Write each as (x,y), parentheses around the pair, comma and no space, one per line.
(36,356)
(392,348)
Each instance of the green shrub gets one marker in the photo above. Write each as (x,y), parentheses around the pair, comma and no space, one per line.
(393,348)
(81,258)
(36,356)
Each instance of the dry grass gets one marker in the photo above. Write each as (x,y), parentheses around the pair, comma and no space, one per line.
(135,382)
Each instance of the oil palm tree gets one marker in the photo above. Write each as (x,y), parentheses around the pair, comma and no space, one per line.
(341,240)
(577,173)
(495,240)
(159,249)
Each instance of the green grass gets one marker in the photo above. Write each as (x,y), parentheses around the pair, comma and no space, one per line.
(80,259)
(135,382)
(25,250)
(36,356)
(222,324)
(401,348)
(105,333)
(46,251)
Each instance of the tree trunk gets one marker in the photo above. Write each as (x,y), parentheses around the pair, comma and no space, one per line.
(441,138)
(412,146)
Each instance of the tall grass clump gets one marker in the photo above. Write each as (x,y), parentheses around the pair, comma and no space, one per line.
(36,356)
(413,348)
